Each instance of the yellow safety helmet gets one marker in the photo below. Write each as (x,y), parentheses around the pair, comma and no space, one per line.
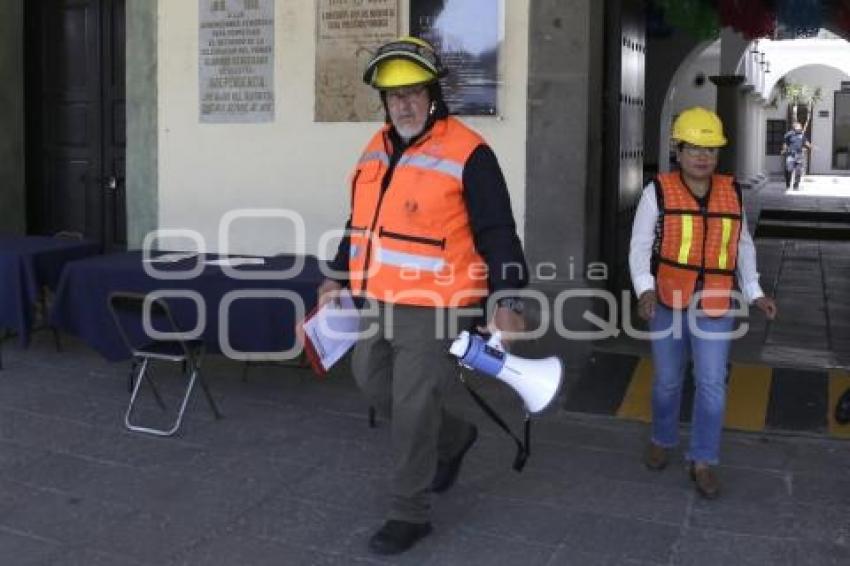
(698,126)
(405,62)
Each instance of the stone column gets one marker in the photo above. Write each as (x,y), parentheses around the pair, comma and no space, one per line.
(564,152)
(142,138)
(728,101)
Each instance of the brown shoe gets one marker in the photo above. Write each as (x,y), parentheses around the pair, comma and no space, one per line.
(705,481)
(656,457)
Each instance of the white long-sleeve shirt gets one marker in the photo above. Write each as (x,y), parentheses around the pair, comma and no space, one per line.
(643,238)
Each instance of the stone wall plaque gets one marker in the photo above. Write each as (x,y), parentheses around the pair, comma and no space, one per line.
(236,61)
(348,33)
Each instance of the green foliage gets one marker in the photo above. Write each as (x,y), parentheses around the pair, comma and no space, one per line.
(697,18)
(796,94)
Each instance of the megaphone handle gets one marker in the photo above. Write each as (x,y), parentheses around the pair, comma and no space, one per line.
(522,449)
(495,340)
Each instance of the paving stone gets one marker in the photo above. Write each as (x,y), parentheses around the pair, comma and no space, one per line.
(822,525)
(620,540)
(648,501)
(756,451)
(234,549)
(820,554)
(74,556)
(825,458)
(71,519)
(821,489)
(462,548)
(13,454)
(569,556)
(364,492)
(29,429)
(307,523)
(709,548)
(734,516)
(532,523)
(250,471)
(155,538)
(22,549)
(634,500)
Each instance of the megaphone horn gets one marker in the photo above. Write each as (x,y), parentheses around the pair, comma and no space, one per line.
(536,381)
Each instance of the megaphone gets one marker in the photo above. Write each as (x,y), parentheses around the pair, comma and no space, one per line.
(536,381)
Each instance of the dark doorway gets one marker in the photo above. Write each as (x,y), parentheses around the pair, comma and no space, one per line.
(623,178)
(840,130)
(75,119)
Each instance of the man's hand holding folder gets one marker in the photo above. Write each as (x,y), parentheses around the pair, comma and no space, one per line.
(331,329)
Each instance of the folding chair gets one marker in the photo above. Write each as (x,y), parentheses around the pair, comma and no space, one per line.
(128,311)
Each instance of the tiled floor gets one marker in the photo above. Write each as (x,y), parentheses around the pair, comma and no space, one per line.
(293,475)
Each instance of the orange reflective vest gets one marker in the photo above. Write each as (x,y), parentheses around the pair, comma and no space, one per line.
(411,240)
(698,245)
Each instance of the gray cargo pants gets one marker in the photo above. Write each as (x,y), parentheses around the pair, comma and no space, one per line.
(405,373)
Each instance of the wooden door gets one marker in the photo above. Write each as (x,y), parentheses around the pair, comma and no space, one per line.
(75,118)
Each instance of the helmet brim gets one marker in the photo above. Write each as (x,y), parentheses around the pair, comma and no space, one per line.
(422,56)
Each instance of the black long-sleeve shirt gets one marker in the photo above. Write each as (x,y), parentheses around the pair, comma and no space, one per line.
(491,219)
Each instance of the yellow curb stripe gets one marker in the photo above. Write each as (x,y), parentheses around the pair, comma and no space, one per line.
(747,397)
(637,403)
(839,382)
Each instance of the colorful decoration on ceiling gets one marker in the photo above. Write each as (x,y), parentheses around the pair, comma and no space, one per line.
(697,18)
(800,18)
(703,19)
(841,16)
(752,18)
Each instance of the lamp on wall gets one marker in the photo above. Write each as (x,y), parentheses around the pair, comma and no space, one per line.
(767,68)
(763,58)
(755,48)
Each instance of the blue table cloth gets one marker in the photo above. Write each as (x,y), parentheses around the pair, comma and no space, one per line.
(27,264)
(262,324)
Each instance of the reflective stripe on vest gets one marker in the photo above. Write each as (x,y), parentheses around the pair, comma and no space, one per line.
(430,163)
(724,243)
(408,260)
(375,156)
(687,238)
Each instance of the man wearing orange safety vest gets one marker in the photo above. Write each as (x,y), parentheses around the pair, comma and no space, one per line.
(430,233)
(690,247)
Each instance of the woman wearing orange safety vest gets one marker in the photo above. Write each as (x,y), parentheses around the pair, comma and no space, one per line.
(430,232)
(691,249)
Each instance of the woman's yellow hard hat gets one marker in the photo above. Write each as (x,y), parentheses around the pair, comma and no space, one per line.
(699,126)
(405,62)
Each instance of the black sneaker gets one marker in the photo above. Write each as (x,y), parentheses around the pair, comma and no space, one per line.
(448,471)
(394,537)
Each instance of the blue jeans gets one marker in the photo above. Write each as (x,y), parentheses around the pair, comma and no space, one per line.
(670,359)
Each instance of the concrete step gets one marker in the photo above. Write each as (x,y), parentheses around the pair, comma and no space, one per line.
(803,224)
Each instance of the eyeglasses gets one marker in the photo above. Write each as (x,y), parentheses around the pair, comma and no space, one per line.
(697,150)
